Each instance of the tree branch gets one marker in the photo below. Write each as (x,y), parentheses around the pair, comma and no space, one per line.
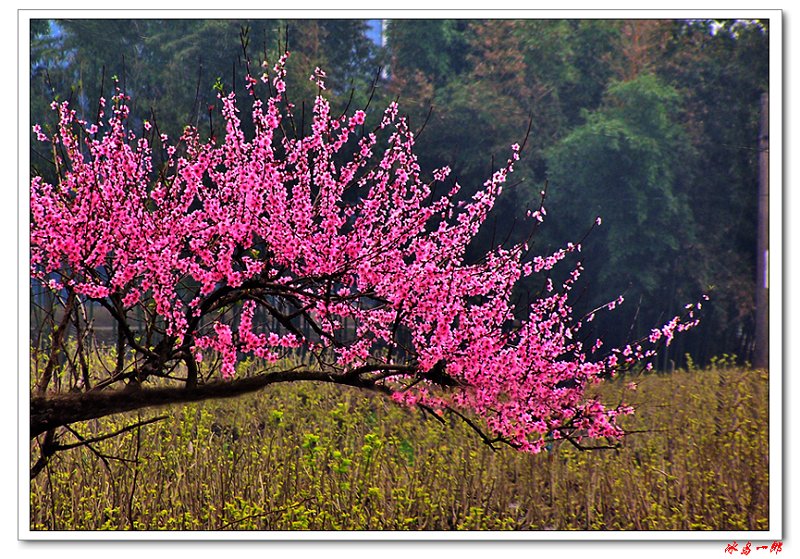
(48,412)
(84,442)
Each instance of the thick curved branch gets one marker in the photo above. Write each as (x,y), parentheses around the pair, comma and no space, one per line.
(48,412)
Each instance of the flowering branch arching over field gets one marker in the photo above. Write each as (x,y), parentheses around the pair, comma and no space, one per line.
(340,239)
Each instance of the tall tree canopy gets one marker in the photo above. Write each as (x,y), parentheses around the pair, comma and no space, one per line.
(630,164)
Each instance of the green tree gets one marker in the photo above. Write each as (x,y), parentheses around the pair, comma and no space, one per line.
(433,50)
(722,69)
(628,164)
(592,46)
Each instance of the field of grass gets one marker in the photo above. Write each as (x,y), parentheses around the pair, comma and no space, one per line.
(305,456)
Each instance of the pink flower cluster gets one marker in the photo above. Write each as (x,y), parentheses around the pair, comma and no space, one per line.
(340,228)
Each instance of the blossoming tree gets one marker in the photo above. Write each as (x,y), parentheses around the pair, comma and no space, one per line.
(257,245)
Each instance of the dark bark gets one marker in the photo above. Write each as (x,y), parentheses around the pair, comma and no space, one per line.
(49,412)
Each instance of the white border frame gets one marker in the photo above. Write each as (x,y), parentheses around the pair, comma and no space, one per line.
(777,499)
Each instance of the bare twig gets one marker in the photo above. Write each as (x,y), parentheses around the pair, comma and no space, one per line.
(109,435)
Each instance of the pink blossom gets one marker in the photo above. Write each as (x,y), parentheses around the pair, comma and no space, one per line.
(336,230)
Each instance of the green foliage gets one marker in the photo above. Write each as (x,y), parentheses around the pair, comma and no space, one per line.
(721,78)
(625,164)
(431,48)
(592,44)
(630,163)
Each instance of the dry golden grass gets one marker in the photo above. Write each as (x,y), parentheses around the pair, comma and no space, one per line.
(305,456)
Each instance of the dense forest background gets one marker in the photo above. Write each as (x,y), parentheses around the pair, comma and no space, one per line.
(652,125)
